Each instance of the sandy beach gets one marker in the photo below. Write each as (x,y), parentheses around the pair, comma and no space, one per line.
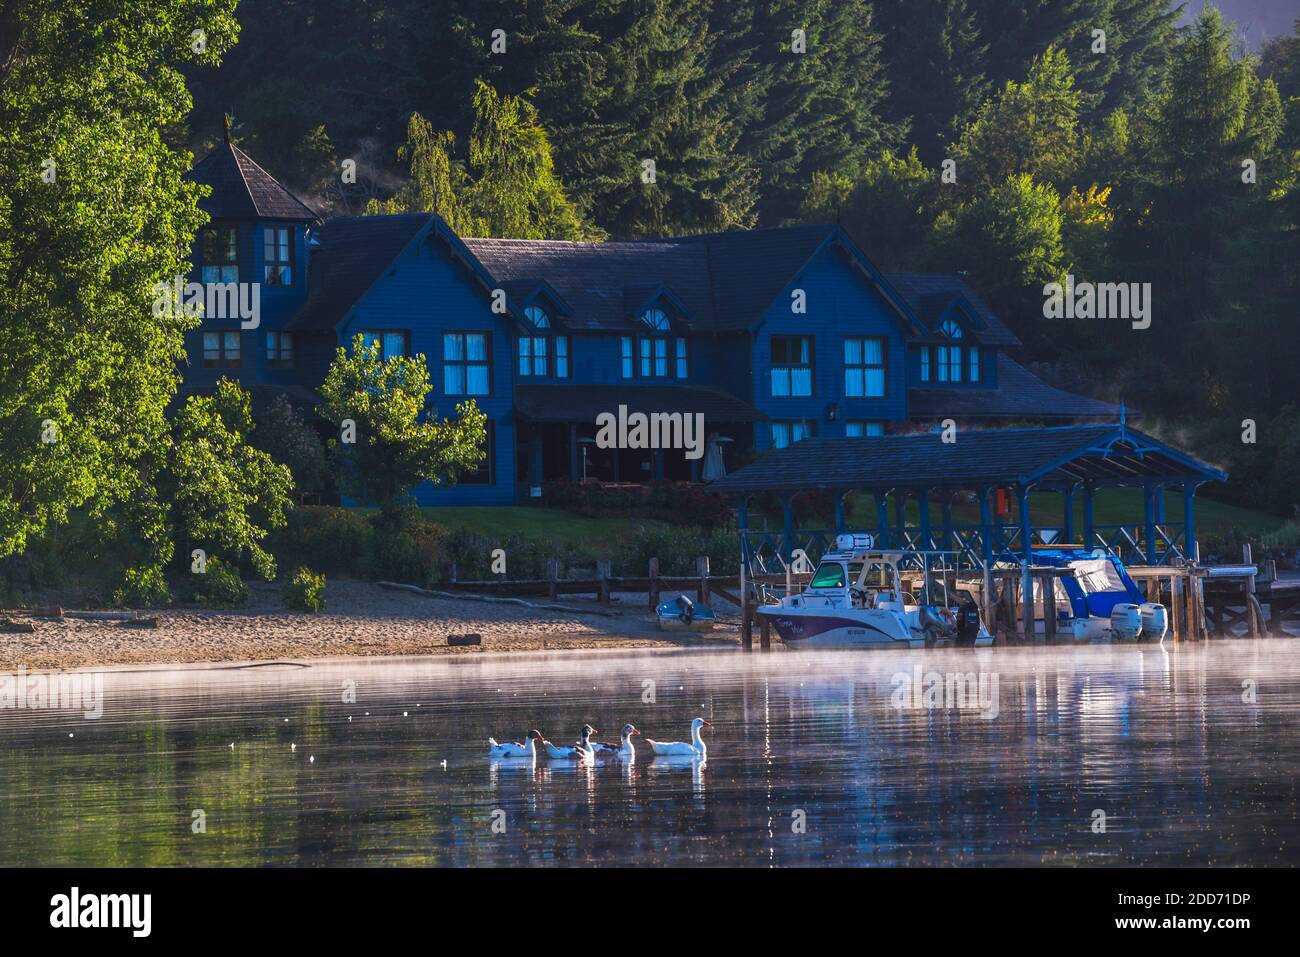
(360,619)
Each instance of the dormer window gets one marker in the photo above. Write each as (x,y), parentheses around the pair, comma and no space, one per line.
(538,351)
(277,255)
(951,361)
(220,255)
(657,354)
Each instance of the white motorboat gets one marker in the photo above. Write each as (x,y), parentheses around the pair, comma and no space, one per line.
(855,599)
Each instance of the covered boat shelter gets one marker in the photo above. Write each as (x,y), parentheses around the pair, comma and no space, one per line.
(933,468)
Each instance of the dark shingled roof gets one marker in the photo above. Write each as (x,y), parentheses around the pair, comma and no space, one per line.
(354,251)
(930,295)
(582,403)
(989,457)
(243,190)
(1020,394)
(592,278)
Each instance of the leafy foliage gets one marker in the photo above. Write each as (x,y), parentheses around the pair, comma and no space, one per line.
(304,591)
(397,444)
(220,586)
(93,214)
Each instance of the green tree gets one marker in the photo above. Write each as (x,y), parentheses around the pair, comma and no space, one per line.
(397,443)
(889,207)
(93,214)
(510,189)
(1030,127)
(1008,241)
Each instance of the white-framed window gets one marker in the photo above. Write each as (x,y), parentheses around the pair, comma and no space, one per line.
(859,429)
(277,255)
(391,342)
(279,349)
(465,363)
(787,433)
(656,319)
(220,255)
(221,350)
(864,367)
(792,366)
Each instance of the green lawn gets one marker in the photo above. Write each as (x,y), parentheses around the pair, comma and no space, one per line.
(551,524)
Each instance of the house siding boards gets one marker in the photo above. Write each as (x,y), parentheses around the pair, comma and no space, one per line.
(840,305)
(727,295)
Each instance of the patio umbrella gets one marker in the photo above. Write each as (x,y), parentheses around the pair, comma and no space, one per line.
(714,467)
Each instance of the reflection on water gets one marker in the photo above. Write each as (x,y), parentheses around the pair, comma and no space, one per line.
(875,758)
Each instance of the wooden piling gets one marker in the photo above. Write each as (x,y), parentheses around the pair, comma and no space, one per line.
(702,571)
(604,567)
(765,633)
(1048,583)
(552,576)
(1026,602)
(654,583)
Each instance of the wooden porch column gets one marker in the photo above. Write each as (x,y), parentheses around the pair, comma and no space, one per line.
(1026,537)
(1089,532)
(1149,520)
(1189,520)
(1067,501)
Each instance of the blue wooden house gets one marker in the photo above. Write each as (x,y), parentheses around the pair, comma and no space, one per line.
(773,335)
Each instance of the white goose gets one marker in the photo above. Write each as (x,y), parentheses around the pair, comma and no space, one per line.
(695,747)
(513,749)
(623,752)
(583,750)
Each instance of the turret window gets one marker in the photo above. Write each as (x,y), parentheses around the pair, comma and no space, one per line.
(220,255)
(277,253)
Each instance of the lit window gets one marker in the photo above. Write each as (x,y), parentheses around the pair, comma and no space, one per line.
(925,363)
(562,356)
(465,363)
(787,433)
(864,367)
(974,364)
(391,343)
(279,349)
(277,251)
(792,373)
(656,319)
(863,429)
(681,359)
(220,256)
(628,358)
(221,349)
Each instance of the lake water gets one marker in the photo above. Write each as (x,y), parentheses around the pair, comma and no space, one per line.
(1088,755)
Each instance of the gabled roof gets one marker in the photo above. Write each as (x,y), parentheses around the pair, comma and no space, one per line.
(243,190)
(1019,394)
(1109,454)
(354,252)
(931,294)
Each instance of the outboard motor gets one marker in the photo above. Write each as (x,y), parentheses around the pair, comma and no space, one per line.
(968,621)
(1125,621)
(1155,620)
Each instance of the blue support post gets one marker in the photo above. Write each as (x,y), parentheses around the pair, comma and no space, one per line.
(882,519)
(1160,504)
(742,514)
(947,521)
(839,513)
(1067,502)
(1026,538)
(1149,519)
(986,524)
(787,541)
(1189,520)
(534,458)
(900,516)
(658,466)
(1089,531)
(923,511)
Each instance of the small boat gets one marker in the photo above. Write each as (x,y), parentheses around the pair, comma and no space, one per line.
(695,748)
(855,599)
(682,614)
(1097,600)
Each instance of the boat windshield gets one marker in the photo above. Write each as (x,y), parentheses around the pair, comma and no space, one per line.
(829,575)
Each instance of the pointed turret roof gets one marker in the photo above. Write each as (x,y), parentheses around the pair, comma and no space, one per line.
(243,190)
